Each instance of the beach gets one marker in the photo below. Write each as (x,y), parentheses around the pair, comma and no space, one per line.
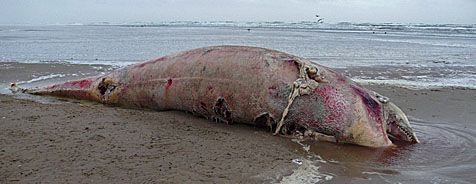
(53,140)
(66,141)
(90,143)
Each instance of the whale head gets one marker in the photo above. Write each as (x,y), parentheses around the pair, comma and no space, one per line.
(397,125)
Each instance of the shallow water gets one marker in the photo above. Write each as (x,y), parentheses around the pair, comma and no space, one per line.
(445,154)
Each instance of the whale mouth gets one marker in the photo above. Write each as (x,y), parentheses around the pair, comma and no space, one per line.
(397,125)
(400,134)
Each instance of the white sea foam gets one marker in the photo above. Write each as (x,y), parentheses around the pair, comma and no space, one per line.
(113,63)
(425,83)
(374,173)
(422,42)
(307,172)
(434,28)
(43,77)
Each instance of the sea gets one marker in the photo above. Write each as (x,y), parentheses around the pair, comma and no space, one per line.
(408,55)
(414,56)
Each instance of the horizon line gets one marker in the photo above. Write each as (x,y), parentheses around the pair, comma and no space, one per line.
(215,21)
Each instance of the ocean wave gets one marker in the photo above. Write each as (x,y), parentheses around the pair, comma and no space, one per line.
(422,42)
(423,82)
(430,28)
(41,78)
(114,63)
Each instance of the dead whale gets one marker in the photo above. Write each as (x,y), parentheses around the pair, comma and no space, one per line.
(238,84)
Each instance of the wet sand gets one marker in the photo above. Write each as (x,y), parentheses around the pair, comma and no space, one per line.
(434,105)
(76,141)
(56,72)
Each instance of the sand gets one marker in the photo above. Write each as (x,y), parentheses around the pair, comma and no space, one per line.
(86,142)
(75,142)
(436,105)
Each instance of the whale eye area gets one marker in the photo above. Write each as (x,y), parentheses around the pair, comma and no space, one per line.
(105,86)
(102,87)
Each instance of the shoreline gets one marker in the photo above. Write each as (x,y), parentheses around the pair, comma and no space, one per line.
(431,78)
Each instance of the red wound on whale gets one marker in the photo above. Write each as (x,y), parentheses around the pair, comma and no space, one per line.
(372,106)
(336,105)
(169,84)
(81,83)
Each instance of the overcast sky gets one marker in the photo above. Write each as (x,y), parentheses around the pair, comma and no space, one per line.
(120,11)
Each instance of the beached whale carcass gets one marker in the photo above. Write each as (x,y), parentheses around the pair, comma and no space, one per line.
(250,85)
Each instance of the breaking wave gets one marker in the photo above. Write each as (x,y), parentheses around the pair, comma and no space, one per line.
(432,28)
